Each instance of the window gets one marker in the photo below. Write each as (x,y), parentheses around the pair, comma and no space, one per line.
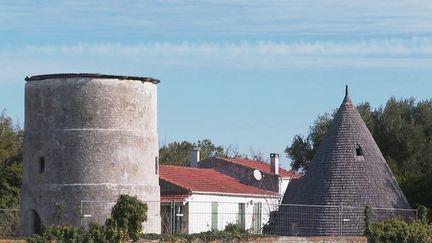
(359,151)
(156,165)
(41,164)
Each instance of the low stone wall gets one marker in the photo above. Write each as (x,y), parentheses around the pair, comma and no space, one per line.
(338,239)
(322,239)
(284,239)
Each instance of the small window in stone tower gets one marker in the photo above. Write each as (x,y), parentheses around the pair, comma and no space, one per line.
(156,165)
(41,164)
(359,151)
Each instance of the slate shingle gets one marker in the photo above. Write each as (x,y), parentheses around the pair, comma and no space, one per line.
(338,176)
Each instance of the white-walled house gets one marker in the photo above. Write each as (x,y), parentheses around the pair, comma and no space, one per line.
(194,200)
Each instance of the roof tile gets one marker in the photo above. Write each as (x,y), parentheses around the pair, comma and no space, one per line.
(207,180)
(263,166)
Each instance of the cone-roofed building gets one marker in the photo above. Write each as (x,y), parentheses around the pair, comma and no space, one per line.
(347,173)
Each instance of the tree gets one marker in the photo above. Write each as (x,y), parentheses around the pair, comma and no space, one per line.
(175,153)
(178,153)
(403,134)
(368,115)
(11,171)
(208,149)
(302,148)
(300,152)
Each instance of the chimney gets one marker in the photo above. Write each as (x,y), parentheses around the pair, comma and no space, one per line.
(274,163)
(194,156)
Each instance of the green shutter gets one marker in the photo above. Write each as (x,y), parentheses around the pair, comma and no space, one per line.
(242,215)
(257,217)
(214,223)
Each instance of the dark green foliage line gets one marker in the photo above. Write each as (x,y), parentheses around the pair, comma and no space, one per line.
(177,153)
(231,233)
(11,139)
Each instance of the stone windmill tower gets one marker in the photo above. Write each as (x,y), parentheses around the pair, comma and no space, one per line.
(348,172)
(88,138)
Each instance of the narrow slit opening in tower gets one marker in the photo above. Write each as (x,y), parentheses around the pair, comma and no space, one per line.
(156,165)
(41,164)
(36,222)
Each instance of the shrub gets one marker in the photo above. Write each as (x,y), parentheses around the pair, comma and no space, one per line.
(9,224)
(234,228)
(231,233)
(399,230)
(127,216)
(59,233)
(125,223)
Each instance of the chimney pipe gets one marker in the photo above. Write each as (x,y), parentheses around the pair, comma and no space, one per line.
(274,163)
(194,156)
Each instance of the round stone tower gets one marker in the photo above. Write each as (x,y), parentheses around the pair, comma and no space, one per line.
(87,139)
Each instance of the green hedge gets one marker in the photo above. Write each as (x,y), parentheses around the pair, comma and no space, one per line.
(398,229)
(230,233)
(104,233)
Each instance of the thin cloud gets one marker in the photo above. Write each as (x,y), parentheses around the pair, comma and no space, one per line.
(385,48)
(203,18)
(411,53)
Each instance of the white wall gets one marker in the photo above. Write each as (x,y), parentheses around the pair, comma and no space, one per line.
(200,211)
(283,185)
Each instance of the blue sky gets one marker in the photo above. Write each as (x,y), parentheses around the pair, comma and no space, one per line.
(250,74)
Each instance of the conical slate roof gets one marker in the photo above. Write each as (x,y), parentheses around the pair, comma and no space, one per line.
(348,170)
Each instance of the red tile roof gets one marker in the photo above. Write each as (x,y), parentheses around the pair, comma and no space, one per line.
(207,180)
(263,166)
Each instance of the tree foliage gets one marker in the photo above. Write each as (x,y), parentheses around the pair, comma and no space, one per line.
(11,139)
(208,149)
(178,153)
(300,152)
(302,148)
(128,214)
(403,131)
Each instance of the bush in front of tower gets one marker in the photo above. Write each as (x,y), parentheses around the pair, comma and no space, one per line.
(127,217)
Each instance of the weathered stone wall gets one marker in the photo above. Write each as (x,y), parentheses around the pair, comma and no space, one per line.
(97,138)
